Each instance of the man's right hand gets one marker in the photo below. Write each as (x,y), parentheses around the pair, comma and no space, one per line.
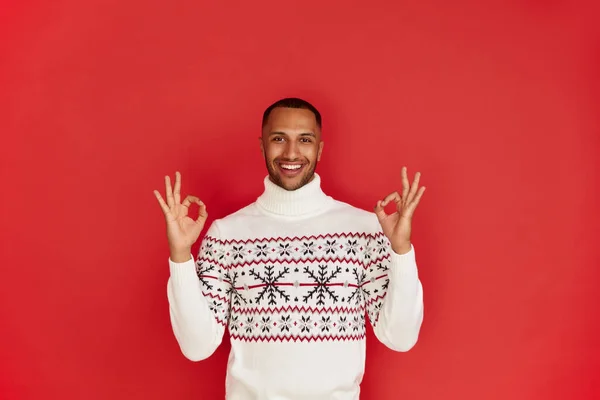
(182,231)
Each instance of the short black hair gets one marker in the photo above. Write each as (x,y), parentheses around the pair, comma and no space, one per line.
(292,102)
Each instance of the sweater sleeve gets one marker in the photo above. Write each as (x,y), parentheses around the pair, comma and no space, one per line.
(394,294)
(198,293)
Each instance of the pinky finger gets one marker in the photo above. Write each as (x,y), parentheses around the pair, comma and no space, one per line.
(162,203)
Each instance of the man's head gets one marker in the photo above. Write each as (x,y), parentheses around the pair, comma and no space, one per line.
(291,142)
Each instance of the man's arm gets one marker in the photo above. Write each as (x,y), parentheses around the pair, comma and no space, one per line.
(199,298)
(397,318)
(393,295)
(198,292)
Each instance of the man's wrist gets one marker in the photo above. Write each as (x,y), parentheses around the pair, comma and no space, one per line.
(401,248)
(181,256)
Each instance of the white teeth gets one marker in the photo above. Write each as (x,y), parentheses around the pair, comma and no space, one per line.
(290,166)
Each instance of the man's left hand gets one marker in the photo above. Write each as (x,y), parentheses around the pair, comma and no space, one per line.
(397,226)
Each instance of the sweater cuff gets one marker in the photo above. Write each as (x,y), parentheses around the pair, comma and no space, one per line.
(183,272)
(404,265)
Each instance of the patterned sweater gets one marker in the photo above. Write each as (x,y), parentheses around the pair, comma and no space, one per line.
(294,276)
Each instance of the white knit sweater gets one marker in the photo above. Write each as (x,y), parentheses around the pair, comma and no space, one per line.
(292,276)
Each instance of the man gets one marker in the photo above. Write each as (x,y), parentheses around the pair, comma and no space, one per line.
(293,274)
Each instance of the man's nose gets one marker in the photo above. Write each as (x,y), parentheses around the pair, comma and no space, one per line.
(291,151)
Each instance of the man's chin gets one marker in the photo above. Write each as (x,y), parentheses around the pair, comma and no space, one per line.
(290,184)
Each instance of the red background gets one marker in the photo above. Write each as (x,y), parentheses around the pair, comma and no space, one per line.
(496,104)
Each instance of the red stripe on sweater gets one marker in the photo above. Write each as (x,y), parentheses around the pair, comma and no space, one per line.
(288,238)
(306,309)
(294,338)
(292,261)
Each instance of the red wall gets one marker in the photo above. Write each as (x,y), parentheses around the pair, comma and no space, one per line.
(496,104)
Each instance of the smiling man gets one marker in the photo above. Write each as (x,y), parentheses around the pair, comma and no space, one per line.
(294,275)
(291,143)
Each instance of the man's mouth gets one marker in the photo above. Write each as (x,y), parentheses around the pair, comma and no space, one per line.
(290,169)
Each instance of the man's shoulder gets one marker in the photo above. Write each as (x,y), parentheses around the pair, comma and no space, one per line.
(248,211)
(344,207)
(362,219)
(221,226)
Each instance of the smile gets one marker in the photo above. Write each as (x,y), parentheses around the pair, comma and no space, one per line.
(290,169)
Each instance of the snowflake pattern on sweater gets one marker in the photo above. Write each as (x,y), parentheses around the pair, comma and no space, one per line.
(295,288)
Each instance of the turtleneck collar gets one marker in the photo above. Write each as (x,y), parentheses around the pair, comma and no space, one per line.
(309,199)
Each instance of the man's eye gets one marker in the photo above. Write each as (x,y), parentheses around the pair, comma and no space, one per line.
(306,140)
(277,139)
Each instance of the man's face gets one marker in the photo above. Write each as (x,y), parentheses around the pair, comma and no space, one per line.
(291,144)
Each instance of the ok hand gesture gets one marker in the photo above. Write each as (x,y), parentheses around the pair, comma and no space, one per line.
(182,231)
(397,226)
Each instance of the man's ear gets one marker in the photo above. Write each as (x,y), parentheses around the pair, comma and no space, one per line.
(320,150)
(262,146)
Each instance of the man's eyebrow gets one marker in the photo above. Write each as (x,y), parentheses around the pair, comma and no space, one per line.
(283,133)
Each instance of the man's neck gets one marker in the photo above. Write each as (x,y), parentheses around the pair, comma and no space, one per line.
(304,201)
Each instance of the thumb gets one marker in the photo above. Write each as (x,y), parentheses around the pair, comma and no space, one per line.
(202,213)
(380,211)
